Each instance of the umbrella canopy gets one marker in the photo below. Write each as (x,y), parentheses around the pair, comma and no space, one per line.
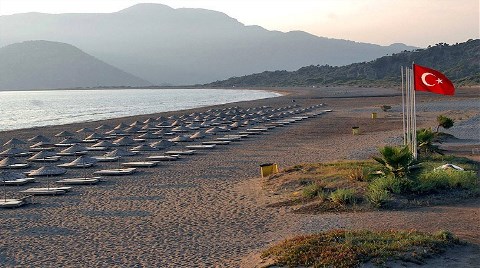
(132,129)
(41,144)
(83,160)
(116,132)
(69,140)
(198,135)
(64,134)
(39,138)
(149,120)
(136,124)
(103,127)
(48,171)
(41,155)
(85,130)
(176,123)
(148,135)
(8,161)
(181,129)
(95,136)
(121,126)
(181,138)
(74,149)
(162,144)
(124,141)
(13,152)
(144,147)
(11,175)
(14,142)
(119,152)
(103,144)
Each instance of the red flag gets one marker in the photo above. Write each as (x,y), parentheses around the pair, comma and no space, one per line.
(427,79)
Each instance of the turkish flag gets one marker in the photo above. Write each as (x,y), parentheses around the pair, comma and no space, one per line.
(427,79)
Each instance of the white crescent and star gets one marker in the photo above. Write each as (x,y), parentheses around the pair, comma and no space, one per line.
(424,80)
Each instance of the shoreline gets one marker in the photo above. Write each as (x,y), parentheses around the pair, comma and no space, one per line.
(208,209)
(155,114)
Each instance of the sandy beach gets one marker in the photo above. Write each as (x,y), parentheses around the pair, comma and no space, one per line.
(208,209)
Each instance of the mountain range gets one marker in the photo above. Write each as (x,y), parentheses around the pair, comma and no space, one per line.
(47,65)
(185,46)
(459,62)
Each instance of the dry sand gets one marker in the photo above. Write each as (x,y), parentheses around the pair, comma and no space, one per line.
(208,210)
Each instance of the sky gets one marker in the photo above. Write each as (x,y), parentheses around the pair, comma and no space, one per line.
(413,22)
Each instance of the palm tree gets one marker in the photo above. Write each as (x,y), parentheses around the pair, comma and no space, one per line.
(396,160)
(425,138)
(444,122)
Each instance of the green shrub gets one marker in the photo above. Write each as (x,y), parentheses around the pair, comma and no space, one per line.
(391,184)
(395,160)
(444,122)
(313,190)
(343,196)
(378,198)
(436,180)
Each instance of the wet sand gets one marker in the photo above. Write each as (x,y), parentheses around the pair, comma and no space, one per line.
(208,210)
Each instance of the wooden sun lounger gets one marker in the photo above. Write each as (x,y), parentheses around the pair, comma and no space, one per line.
(47,159)
(201,146)
(68,165)
(216,142)
(97,149)
(72,154)
(45,191)
(38,149)
(116,172)
(106,158)
(16,166)
(79,181)
(11,203)
(140,164)
(186,152)
(18,182)
(162,158)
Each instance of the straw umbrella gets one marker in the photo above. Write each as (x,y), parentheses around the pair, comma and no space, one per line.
(39,138)
(64,134)
(14,142)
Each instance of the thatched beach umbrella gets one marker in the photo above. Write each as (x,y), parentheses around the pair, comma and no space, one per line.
(119,152)
(69,140)
(144,147)
(48,171)
(14,152)
(103,127)
(106,144)
(39,138)
(121,126)
(14,142)
(42,155)
(9,161)
(124,141)
(148,135)
(64,134)
(162,144)
(198,135)
(95,136)
(74,149)
(183,138)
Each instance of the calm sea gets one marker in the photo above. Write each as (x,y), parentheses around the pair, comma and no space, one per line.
(25,109)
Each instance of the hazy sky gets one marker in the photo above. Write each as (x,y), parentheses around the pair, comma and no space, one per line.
(414,22)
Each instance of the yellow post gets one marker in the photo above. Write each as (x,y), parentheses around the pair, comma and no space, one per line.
(268,169)
(356,130)
(374,115)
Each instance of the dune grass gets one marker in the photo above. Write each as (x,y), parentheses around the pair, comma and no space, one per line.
(341,248)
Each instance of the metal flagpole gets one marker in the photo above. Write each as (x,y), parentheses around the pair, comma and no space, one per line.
(403,108)
(412,104)
(414,116)
(407,109)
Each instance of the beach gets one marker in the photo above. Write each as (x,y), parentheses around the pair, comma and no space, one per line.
(209,209)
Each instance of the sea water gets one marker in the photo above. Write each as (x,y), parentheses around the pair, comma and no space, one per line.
(25,109)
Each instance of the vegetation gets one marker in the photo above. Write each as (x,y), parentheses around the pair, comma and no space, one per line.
(425,139)
(341,248)
(363,185)
(444,122)
(396,160)
(459,62)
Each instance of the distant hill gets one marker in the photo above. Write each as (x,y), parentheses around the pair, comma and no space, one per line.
(460,62)
(46,65)
(185,46)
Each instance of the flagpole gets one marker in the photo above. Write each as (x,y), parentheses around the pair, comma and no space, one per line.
(407,105)
(403,108)
(414,115)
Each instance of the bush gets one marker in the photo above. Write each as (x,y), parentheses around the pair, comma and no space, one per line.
(444,122)
(343,196)
(446,179)
(313,190)
(391,184)
(377,197)
(395,160)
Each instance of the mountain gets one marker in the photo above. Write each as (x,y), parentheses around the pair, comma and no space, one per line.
(46,64)
(185,46)
(459,62)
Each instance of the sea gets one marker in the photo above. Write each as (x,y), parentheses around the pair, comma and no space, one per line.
(26,109)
